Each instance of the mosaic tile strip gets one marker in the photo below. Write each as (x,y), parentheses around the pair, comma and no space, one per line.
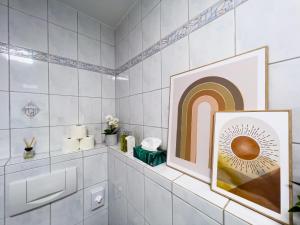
(42,56)
(3,48)
(62,61)
(212,13)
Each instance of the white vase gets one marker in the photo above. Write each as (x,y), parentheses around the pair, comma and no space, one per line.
(111,139)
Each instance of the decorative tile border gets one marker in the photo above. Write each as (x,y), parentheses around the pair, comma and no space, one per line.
(207,16)
(212,13)
(42,56)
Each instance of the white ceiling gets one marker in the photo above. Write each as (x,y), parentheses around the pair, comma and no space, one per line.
(109,12)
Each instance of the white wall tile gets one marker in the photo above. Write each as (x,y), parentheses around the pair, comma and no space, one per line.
(89,110)
(133,217)
(88,199)
(179,53)
(165,107)
(152,73)
(108,108)
(108,86)
(63,110)
(23,30)
(107,55)
(3,24)
(62,14)
(119,178)
(213,42)
(96,130)
(1,197)
(56,137)
(174,13)
(122,83)
(117,208)
(135,15)
(135,189)
(107,34)
(78,163)
(88,50)
(122,51)
(135,41)
(122,30)
(100,218)
(273,24)
(95,169)
(3,71)
(63,80)
(41,136)
(151,28)
(158,204)
(89,83)
(230,219)
(286,74)
(4,143)
(68,211)
(148,5)
(32,7)
(135,79)
(124,112)
(296,162)
(39,216)
(62,42)
(137,132)
(164,144)
(196,7)
(136,109)
(152,108)
(152,132)
(28,77)
(184,214)
(18,117)
(88,26)
(5,2)
(4,110)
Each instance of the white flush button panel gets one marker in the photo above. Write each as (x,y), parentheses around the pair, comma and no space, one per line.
(98,198)
(33,192)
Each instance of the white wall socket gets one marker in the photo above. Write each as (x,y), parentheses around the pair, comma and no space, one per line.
(98,198)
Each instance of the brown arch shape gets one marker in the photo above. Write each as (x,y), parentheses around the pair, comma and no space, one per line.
(227,96)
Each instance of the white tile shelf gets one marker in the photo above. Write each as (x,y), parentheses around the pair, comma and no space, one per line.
(194,192)
(15,164)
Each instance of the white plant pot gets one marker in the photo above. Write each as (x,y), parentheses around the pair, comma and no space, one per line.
(111,139)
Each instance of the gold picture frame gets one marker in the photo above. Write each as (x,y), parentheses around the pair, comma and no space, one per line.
(182,164)
(236,188)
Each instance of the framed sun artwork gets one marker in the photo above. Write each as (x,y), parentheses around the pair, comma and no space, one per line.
(251,161)
(237,83)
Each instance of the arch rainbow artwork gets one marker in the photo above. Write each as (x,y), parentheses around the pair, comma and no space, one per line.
(234,84)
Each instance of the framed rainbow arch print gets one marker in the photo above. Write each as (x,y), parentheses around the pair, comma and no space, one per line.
(251,161)
(235,84)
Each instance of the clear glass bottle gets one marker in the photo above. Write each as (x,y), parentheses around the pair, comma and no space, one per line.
(28,153)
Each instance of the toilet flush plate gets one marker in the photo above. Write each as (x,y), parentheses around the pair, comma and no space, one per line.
(98,198)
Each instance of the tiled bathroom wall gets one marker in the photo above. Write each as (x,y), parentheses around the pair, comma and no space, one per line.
(56,70)
(160,38)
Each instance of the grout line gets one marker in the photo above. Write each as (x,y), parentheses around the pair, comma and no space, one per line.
(285,60)
(9,110)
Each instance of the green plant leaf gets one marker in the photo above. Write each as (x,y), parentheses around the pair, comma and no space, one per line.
(295,209)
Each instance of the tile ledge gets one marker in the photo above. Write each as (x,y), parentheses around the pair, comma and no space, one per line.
(248,215)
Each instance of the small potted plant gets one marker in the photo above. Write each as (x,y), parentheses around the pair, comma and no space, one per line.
(296,208)
(111,132)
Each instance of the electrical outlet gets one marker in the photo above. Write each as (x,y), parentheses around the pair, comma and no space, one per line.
(98,198)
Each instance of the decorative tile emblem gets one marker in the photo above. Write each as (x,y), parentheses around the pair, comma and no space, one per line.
(31,110)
